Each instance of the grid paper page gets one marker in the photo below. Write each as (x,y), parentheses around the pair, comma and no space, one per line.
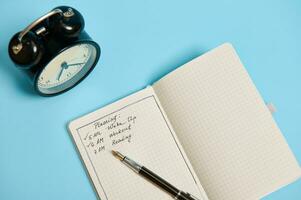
(137,127)
(227,132)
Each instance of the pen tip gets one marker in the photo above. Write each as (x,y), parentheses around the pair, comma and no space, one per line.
(118,155)
(114,152)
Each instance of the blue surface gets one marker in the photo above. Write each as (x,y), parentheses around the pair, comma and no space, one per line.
(141,41)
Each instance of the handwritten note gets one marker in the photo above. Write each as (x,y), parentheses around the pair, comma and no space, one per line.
(110,132)
(137,127)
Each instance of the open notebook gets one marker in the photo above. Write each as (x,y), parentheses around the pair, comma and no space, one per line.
(203,127)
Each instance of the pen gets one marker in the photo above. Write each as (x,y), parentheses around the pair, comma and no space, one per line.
(151,176)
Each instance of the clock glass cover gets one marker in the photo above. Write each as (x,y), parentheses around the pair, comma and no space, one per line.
(67,68)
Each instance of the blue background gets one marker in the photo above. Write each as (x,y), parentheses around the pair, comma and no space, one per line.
(141,41)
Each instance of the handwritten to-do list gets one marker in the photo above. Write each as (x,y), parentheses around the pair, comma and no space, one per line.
(109,132)
(138,128)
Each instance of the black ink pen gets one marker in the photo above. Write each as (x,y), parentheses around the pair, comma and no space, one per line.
(146,173)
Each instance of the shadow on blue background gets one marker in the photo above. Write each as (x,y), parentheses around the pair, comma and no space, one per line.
(141,41)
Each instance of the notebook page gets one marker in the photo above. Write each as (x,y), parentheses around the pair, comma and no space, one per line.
(137,127)
(227,132)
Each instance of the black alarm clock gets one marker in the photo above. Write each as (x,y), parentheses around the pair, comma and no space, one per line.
(54,51)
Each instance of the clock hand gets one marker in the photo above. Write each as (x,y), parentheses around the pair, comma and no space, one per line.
(63,66)
(75,64)
(60,74)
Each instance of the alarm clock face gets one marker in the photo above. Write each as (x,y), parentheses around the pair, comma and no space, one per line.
(67,68)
